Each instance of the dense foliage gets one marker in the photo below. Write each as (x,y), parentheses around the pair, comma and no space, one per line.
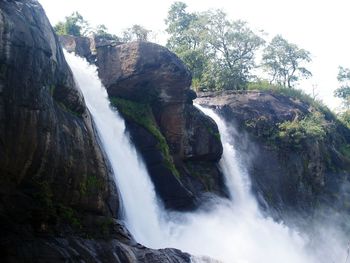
(282,60)
(221,53)
(76,25)
(136,33)
(313,126)
(343,91)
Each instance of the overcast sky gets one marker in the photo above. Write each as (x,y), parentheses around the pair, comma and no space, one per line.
(322,26)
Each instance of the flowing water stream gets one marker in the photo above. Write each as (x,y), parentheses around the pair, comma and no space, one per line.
(232,231)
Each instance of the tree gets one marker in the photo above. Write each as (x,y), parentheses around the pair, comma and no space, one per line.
(234,45)
(74,25)
(179,24)
(220,53)
(186,30)
(283,61)
(102,31)
(343,91)
(135,33)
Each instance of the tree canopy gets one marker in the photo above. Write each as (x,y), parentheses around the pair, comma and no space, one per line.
(136,33)
(219,52)
(343,91)
(284,60)
(74,25)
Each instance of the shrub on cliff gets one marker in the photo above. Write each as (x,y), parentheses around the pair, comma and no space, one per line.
(311,127)
(74,25)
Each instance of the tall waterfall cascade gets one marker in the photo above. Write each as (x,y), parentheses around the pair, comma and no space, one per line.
(136,190)
(232,231)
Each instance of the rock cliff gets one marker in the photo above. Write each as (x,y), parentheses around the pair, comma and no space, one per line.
(296,151)
(58,202)
(150,86)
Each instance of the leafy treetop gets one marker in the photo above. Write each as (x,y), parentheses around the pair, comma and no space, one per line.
(283,61)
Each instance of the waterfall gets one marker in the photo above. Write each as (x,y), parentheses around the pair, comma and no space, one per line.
(136,189)
(236,176)
(232,231)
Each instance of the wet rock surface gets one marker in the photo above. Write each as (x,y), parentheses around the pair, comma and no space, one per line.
(58,200)
(182,155)
(288,179)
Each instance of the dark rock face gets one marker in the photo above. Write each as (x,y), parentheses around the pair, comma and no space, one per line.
(81,46)
(150,74)
(55,185)
(142,71)
(77,249)
(184,166)
(47,136)
(289,180)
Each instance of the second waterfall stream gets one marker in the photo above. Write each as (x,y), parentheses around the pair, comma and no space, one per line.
(232,231)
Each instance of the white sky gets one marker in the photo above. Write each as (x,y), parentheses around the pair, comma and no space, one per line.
(321,27)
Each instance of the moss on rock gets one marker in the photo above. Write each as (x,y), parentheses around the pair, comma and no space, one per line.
(142,114)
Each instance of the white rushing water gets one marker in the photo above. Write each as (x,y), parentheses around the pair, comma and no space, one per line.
(232,231)
(136,189)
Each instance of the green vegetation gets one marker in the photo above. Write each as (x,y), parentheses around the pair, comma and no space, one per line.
(293,93)
(282,60)
(219,52)
(343,92)
(66,109)
(142,115)
(135,33)
(345,150)
(261,127)
(199,171)
(102,31)
(105,226)
(90,185)
(69,215)
(51,211)
(74,25)
(209,128)
(311,127)
(314,126)
(344,117)
(52,90)
(44,196)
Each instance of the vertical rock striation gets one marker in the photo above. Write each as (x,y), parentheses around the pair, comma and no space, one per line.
(58,201)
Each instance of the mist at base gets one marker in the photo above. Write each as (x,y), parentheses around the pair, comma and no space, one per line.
(222,230)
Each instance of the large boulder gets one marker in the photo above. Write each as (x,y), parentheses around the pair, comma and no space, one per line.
(150,75)
(58,200)
(181,146)
(294,175)
(48,143)
(142,71)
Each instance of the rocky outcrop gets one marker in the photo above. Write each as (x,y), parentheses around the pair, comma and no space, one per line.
(58,202)
(81,46)
(181,146)
(77,249)
(186,141)
(294,173)
(48,144)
